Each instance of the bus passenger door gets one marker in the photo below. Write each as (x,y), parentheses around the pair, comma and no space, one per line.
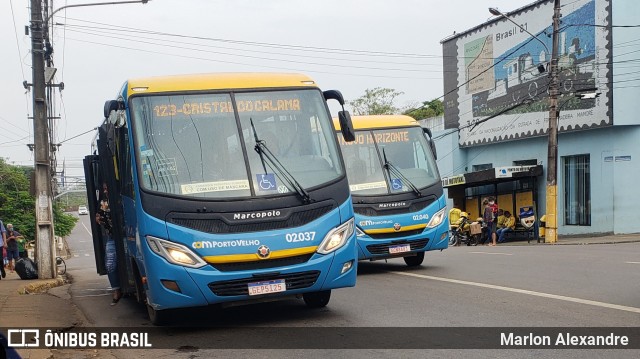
(92,180)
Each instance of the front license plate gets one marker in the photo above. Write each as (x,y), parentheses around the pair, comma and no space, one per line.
(400,248)
(270,286)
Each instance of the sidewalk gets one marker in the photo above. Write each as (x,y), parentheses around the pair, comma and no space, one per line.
(48,305)
(581,240)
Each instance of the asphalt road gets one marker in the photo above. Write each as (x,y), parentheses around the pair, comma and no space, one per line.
(505,286)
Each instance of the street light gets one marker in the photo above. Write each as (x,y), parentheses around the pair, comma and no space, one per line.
(551,223)
(44,234)
(94,4)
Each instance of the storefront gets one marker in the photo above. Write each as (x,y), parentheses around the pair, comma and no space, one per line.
(514,187)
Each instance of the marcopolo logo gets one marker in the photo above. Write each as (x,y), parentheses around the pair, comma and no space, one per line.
(392,205)
(257,215)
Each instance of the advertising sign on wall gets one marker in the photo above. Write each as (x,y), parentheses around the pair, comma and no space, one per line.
(499,66)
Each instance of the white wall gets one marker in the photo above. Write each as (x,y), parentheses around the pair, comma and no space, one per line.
(614,190)
(627,92)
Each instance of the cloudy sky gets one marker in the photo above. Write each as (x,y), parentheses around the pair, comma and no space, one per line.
(350,45)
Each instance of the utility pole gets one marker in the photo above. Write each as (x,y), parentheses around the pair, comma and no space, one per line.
(44,236)
(551,235)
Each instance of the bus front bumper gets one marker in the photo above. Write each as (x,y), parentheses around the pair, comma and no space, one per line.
(207,285)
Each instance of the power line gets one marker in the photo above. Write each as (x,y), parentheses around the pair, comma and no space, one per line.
(252,57)
(13,17)
(84,133)
(254,65)
(270,45)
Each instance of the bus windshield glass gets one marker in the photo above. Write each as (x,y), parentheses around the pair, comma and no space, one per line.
(406,149)
(198,145)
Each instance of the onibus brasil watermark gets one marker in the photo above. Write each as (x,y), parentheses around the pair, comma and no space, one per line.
(48,338)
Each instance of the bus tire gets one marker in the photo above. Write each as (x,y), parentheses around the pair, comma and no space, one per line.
(317,299)
(141,297)
(158,317)
(414,261)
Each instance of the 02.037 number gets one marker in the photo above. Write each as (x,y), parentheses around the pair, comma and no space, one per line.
(300,237)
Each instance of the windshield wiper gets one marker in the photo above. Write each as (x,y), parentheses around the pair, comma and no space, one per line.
(393,169)
(283,173)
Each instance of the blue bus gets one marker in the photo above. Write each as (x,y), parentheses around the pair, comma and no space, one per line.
(397,193)
(224,188)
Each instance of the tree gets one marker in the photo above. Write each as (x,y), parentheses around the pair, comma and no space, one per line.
(17,206)
(428,109)
(376,101)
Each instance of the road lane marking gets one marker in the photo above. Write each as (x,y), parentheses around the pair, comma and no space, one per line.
(504,254)
(86,254)
(87,229)
(76,255)
(632,262)
(524,291)
(91,295)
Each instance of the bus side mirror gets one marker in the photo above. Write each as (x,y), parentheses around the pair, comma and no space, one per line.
(334,95)
(346,126)
(432,144)
(111,105)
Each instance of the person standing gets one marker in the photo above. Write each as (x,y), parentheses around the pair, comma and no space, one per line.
(103,218)
(3,240)
(489,218)
(12,245)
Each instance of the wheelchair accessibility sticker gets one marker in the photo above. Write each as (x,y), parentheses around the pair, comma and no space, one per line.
(396,184)
(266,181)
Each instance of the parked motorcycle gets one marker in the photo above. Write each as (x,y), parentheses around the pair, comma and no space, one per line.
(461,233)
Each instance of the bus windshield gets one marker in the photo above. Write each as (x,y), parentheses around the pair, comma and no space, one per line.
(405,149)
(203,145)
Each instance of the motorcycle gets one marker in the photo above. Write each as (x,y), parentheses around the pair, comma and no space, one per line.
(461,233)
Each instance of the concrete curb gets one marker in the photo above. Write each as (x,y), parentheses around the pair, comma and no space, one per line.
(595,242)
(581,242)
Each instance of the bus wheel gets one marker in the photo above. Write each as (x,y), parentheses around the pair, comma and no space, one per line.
(141,297)
(157,317)
(414,261)
(317,299)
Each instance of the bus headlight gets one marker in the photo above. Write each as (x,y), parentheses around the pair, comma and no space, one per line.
(360,232)
(336,238)
(437,218)
(175,253)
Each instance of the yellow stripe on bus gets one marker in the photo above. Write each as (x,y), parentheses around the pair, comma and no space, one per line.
(252,257)
(217,81)
(391,230)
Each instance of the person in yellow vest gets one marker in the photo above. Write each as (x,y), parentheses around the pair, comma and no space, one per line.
(509,225)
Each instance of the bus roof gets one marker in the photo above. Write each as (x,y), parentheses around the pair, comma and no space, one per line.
(216,81)
(379,121)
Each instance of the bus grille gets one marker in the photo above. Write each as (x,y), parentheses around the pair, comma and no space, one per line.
(240,286)
(216,225)
(262,264)
(384,248)
(371,211)
(396,234)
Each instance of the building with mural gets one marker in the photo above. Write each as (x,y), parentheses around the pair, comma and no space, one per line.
(496,117)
